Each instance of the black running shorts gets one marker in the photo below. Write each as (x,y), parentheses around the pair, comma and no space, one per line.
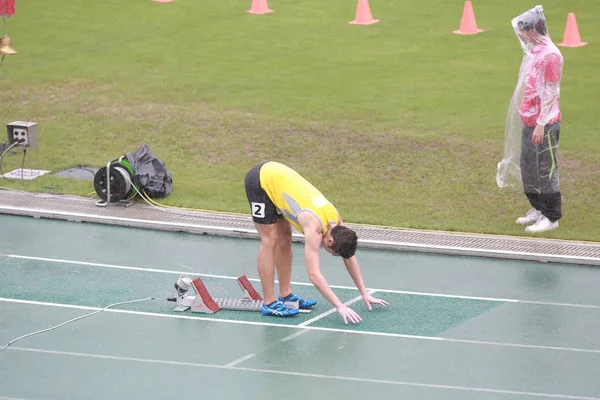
(261,207)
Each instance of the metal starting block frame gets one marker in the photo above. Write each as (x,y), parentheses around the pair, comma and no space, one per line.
(203,302)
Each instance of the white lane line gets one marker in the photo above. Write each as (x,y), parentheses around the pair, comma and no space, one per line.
(321,316)
(318,317)
(326,313)
(11,398)
(239,360)
(91,264)
(306,375)
(294,335)
(549,303)
(315,328)
(165,271)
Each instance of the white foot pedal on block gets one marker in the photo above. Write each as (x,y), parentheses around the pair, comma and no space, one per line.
(202,301)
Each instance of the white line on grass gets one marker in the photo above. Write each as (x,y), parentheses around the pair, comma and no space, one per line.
(165,271)
(315,328)
(306,375)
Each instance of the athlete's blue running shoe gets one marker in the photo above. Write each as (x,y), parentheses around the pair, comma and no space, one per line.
(302,303)
(277,309)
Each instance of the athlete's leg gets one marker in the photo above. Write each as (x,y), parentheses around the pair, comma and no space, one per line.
(265,217)
(266,259)
(283,257)
(283,260)
(269,240)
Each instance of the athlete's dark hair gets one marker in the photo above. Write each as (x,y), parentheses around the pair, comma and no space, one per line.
(344,241)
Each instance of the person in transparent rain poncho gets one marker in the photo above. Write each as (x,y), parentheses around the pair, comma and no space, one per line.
(533,123)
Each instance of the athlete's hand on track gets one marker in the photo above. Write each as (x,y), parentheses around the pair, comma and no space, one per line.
(368,299)
(348,314)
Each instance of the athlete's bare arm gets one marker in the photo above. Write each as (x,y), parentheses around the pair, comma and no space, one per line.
(312,243)
(354,271)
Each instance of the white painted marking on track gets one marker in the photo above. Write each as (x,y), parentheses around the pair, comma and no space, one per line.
(318,317)
(240,360)
(305,375)
(294,335)
(11,398)
(315,328)
(331,311)
(164,271)
(91,264)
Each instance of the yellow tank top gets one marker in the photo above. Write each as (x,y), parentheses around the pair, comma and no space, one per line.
(292,194)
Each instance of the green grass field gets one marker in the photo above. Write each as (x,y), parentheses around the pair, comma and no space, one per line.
(400,123)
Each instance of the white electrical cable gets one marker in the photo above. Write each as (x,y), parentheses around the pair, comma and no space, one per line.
(3,154)
(74,319)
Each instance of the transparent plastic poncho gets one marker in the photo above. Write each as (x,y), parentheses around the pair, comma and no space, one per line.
(534,100)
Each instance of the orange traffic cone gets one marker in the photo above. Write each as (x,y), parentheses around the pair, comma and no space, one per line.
(363,14)
(571,37)
(259,7)
(468,25)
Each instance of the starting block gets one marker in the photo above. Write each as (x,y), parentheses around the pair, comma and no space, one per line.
(203,302)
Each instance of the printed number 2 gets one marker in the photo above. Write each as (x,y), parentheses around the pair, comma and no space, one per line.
(258,210)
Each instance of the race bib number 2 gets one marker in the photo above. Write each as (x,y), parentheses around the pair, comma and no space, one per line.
(258,210)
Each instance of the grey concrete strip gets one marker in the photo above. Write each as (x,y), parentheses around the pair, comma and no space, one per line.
(72,208)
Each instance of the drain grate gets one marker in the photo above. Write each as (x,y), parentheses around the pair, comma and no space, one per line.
(80,209)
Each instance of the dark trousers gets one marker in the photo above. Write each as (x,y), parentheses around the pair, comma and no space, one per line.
(539,171)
